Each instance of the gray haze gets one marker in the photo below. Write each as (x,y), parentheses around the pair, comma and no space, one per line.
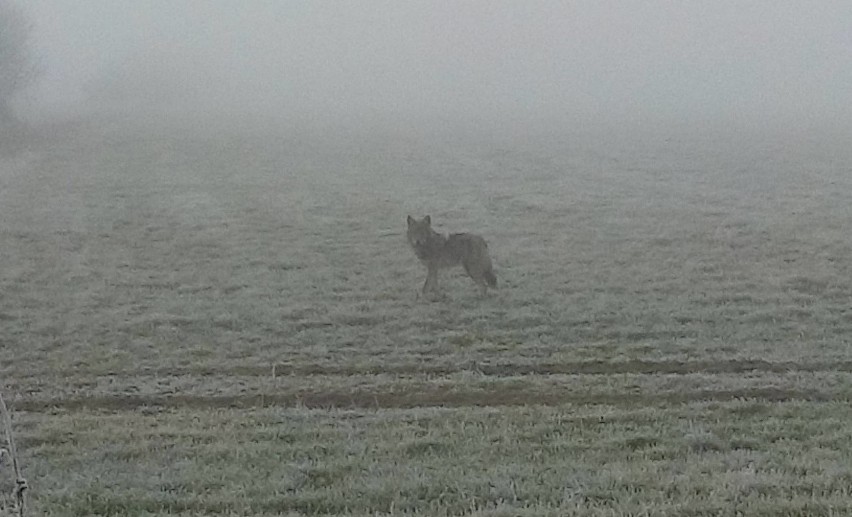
(618,62)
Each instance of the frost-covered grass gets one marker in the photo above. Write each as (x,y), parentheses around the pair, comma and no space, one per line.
(207,323)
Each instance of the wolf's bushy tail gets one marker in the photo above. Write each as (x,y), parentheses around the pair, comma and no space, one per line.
(490,278)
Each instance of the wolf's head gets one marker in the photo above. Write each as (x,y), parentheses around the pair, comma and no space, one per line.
(419,232)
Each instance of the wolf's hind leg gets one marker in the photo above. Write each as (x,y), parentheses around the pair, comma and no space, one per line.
(478,276)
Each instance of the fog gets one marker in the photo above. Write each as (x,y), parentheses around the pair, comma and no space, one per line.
(633,63)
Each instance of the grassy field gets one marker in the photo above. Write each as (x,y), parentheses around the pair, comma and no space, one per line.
(197,323)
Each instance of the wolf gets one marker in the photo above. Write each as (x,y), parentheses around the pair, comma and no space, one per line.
(437,251)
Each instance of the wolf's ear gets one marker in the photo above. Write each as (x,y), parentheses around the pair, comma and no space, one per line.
(427,220)
(410,220)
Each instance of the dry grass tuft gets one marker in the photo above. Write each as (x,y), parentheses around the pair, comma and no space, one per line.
(18,502)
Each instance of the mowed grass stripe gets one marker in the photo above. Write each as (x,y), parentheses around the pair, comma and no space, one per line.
(643,367)
(433,397)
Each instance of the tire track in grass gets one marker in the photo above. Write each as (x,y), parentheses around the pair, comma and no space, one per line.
(643,367)
(432,397)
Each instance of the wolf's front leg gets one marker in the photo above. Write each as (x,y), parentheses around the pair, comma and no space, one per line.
(431,283)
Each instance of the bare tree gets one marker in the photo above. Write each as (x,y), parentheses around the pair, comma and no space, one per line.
(17,65)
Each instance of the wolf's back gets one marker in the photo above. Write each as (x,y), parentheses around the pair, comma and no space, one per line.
(466,247)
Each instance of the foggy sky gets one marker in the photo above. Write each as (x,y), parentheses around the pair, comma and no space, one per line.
(619,61)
